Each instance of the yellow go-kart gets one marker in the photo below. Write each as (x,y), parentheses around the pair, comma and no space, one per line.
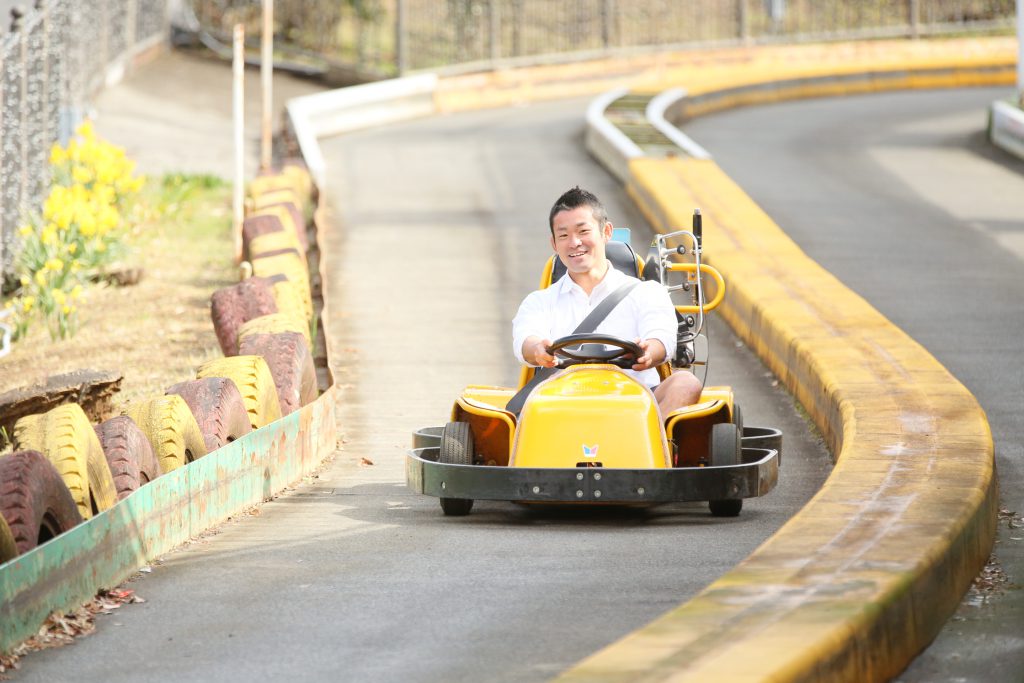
(591,433)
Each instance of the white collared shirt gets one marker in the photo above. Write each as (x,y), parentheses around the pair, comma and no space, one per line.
(646,313)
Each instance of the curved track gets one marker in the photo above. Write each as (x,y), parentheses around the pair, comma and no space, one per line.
(440,231)
(900,196)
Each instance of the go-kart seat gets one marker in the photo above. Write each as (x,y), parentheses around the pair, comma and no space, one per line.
(621,255)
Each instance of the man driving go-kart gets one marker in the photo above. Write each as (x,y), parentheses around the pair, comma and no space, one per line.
(580,229)
(599,415)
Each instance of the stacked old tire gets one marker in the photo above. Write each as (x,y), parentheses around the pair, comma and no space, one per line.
(65,470)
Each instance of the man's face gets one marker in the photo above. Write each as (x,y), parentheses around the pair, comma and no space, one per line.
(579,240)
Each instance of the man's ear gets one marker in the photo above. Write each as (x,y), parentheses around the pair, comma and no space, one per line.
(553,243)
(606,232)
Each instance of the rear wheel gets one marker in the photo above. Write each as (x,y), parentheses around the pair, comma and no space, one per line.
(725,451)
(456,449)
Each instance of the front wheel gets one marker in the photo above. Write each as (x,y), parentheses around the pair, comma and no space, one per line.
(725,451)
(456,449)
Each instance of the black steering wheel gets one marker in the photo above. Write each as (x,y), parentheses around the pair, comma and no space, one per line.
(591,350)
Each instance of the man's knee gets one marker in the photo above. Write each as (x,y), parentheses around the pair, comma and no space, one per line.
(681,389)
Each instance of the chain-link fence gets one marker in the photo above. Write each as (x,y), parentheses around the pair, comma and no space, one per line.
(54,56)
(388,37)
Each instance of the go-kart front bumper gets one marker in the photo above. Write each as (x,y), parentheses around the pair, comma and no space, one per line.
(755,476)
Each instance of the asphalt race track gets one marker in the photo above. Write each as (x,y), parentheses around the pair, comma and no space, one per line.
(439,232)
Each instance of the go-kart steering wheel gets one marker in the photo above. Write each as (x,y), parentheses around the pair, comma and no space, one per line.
(623,356)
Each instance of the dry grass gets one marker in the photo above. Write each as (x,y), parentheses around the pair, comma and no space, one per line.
(156,332)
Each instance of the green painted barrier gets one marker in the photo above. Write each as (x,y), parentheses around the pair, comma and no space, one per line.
(102,552)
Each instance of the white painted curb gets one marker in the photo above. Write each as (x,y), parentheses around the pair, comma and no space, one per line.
(608,144)
(1007,128)
(655,114)
(361,106)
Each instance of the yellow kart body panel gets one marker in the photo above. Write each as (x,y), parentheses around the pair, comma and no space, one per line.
(591,416)
(592,405)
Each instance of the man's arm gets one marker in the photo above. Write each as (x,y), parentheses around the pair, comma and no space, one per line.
(657,326)
(531,332)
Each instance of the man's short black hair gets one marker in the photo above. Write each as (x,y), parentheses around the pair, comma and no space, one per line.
(574,199)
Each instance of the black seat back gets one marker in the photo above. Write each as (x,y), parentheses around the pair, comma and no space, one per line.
(621,255)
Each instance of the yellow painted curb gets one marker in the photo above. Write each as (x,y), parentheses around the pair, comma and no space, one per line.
(862,579)
(704,71)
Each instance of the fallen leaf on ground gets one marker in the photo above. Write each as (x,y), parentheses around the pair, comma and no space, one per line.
(365,462)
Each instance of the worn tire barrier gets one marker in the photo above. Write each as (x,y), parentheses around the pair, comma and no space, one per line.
(171,430)
(255,383)
(129,454)
(35,503)
(218,408)
(273,242)
(233,306)
(291,365)
(66,438)
(290,220)
(273,324)
(181,503)
(293,267)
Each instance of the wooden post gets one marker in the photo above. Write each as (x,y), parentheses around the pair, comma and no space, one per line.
(914,12)
(238,74)
(267,76)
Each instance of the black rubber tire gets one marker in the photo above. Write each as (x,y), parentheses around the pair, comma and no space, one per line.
(456,449)
(34,501)
(129,454)
(291,364)
(218,407)
(724,451)
(237,304)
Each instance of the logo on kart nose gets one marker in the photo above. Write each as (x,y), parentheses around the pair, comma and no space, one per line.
(590,451)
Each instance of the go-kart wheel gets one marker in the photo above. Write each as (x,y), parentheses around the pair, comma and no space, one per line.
(456,449)
(725,451)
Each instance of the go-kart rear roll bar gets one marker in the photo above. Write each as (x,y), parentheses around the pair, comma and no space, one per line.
(666,266)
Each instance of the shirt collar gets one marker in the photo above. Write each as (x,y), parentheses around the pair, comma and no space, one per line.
(611,280)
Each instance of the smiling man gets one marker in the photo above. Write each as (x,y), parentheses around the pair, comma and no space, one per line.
(580,229)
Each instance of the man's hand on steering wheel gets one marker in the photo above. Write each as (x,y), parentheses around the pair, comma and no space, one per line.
(653,354)
(536,353)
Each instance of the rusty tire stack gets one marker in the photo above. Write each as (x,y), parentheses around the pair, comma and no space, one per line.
(65,469)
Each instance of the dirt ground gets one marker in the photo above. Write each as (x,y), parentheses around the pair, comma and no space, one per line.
(157,332)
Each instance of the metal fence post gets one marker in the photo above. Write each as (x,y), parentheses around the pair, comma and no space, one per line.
(607,17)
(495,29)
(742,20)
(23,123)
(401,48)
(914,14)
